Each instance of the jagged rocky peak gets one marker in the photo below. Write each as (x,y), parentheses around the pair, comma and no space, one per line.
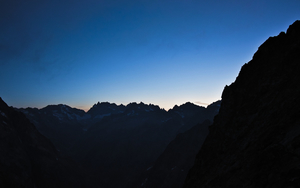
(103,104)
(105,108)
(254,140)
(186,106)
(294,29)
(141,107)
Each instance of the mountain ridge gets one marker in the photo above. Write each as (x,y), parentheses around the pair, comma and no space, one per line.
(107,103)
(254,140)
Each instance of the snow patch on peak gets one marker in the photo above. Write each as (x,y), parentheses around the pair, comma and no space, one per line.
(132,113)
(69,116)
(66,108)
(59,116)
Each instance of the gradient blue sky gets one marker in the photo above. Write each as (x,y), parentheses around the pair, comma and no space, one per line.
(164,52)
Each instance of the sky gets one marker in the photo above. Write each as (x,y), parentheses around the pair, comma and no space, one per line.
(163,52)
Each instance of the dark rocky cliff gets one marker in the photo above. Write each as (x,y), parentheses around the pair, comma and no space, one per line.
(255,139)
(28,159)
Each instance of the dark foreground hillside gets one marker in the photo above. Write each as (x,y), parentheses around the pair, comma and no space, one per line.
(28,159)
(255,139)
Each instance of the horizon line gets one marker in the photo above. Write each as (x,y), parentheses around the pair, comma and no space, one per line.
(86,109)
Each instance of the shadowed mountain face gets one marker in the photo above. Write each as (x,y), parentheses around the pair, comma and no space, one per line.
(28,159)
(255,139)
(172,166)
(115,142)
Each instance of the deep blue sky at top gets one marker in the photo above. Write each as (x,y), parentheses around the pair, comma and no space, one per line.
(164,52)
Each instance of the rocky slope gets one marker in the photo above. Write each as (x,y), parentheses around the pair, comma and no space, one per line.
(28,159)
(255,139)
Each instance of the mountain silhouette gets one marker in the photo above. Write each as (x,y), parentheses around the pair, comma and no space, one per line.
(254,140)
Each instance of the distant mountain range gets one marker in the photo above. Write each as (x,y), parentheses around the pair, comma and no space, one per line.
(117,142)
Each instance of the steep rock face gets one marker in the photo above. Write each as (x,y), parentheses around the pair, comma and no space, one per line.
(255,139)
(28,159)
